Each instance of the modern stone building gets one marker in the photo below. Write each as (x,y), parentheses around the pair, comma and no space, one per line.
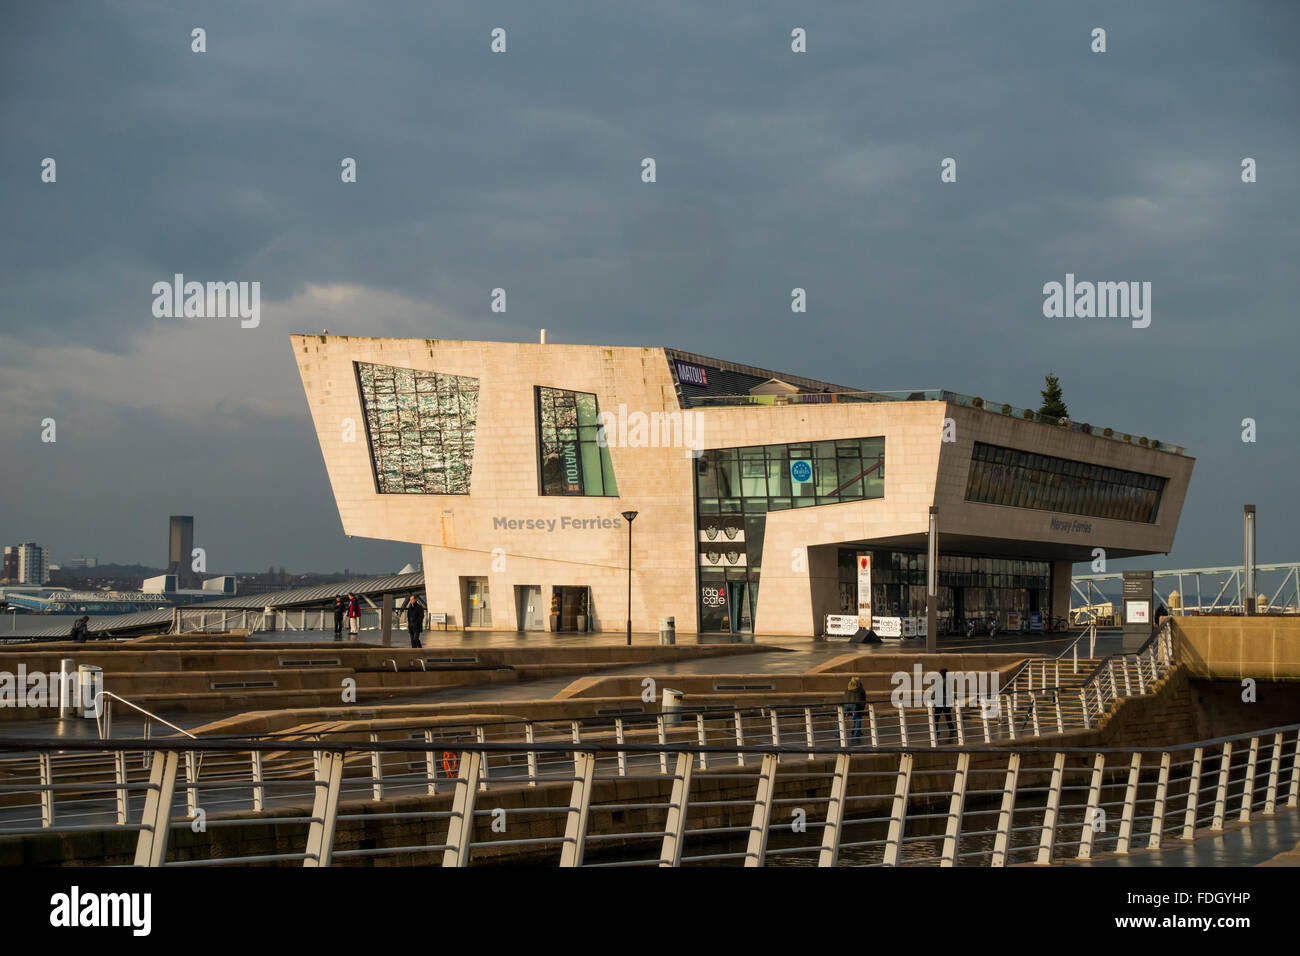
(756,491)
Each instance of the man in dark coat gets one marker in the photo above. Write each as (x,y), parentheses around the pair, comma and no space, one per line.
(339,610)
(415,620)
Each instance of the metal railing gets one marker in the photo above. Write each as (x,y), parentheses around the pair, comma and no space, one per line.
(693,804)
(930,395)
(1034,704)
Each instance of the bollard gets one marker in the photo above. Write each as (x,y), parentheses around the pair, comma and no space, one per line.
(668,630)
(67,688)
(672,706)
(90,684)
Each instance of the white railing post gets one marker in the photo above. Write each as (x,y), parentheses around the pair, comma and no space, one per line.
(929,716)
(259,790)
(1047,839)
(47,789)
(841,719)
(531,739)
(324,811)
(760,824)
(662,735)
(1090,812)
(119,778)
(192,777)
(1274,767)
(1248,785)
(622,754)
(1221,793)
(956,806)
(481,735)
(675,827)
(1130,805)
(740,736)
(575,827)
(1158,809)
(808,728)
(1193,794)
(871,717)
(830,851)
(902,726)
(376,770)
(460,825)
(151,845)
(898,811)
(1128,688)
(1007,811)
(1083,707)
(703,738)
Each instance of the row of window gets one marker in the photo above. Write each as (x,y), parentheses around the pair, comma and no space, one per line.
(762,478)
(1020,479)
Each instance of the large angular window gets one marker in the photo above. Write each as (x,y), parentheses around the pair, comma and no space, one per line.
(1007,476)
(420,426)
(573,461)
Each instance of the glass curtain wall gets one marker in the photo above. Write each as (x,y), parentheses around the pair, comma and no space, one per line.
(735,489)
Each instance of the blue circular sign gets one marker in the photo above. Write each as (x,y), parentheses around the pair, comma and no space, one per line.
(800,470)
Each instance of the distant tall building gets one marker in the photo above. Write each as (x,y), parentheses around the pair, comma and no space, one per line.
(180,549)
(9,570)
(27,563)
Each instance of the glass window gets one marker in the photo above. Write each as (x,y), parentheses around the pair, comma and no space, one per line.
(1007,476)
(572,459)
(419,444)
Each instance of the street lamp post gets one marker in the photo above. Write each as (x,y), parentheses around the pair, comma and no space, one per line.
(932,584)
(630,516)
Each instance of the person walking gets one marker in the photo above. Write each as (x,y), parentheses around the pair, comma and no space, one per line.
(415,620)
(943,705)
(339,611)
(857,701)
(354,617)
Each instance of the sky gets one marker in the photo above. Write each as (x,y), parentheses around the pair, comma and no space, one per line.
(523,170)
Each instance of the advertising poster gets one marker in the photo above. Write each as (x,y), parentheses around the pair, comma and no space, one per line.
(864,590)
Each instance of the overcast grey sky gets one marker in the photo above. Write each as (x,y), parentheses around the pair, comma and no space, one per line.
(522,170)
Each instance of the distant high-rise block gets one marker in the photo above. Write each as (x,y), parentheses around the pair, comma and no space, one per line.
(179,551)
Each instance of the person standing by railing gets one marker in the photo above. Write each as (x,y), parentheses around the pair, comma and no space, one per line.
(354,617)
(339,611)
(857,701)
(943,704)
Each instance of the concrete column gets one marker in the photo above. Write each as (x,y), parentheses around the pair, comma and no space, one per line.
(386,620)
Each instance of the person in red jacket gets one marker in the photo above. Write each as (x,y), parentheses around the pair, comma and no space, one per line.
(354,617)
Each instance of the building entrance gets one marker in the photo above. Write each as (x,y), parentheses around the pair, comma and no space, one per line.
(478,606)
(528,599)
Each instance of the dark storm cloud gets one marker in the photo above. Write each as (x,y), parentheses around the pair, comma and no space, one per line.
(522,171)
